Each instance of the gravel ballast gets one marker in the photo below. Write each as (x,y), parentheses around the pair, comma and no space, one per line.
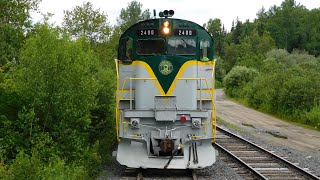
(302,159)
(218,171)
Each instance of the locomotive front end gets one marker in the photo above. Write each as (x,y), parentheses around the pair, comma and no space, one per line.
(165,96)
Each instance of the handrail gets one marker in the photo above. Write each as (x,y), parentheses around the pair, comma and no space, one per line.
(214,119)
(124,83)
(119,96)
(117,100)
(212,101)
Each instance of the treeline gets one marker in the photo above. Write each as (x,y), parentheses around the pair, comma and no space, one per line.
(57,90)
(273,63)
(288,26)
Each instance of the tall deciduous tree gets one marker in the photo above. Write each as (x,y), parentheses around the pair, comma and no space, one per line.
(14,22)
(311,29)
(87,21)
(131,15)
(214,28)
(286,24)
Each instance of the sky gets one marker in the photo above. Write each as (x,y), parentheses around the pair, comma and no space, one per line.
(199,11)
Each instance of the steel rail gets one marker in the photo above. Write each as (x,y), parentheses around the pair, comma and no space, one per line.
(256,173)
(291,165)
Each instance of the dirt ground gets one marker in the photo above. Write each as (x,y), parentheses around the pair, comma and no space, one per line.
(267,128)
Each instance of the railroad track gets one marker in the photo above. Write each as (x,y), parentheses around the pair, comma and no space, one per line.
(254,162)
(144,174)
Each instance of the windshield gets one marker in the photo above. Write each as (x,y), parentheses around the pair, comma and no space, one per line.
(150,46)
(182,46)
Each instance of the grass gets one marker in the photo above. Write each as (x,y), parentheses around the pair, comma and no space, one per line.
(290,121)
(240,130)
(229,125)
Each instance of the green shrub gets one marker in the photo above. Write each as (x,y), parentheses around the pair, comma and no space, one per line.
(57,169)
(298,91)
(278,54)
(26,167)
(251,60)
(4,174)
(290,60)
(313,117)
(102,116)
(286,86)
(237,78)
(220,71)
(298,57)
(32,167)
(262,93)
(218,84)
(57,77)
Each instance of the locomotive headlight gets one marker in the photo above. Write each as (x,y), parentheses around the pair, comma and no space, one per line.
(166,30)
(166,27)
(196,122)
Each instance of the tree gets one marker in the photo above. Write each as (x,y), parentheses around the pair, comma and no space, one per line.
(14,22)
(311,28)
(236,33)
(87,21)
(214,28)
(57,78)
(231,56)
(131,15)
(286,24)
(253,48)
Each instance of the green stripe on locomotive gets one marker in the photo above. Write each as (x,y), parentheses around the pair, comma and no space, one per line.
(152,30)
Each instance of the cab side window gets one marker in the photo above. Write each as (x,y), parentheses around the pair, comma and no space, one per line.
(204,50)
(125,48)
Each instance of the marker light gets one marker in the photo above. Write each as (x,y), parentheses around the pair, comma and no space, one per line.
(166,24)
(183,118)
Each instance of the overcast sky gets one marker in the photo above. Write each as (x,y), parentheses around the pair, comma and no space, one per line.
(199,11)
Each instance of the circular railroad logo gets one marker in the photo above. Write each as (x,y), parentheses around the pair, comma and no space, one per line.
(165,67)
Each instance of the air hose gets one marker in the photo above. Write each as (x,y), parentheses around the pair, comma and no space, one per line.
(174,153)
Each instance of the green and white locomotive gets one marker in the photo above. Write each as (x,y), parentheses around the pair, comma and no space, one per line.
(165,95)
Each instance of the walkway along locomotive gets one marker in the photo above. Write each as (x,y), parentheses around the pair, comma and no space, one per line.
(165,112)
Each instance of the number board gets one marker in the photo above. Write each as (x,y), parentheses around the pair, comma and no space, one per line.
(185,32)
(147,32)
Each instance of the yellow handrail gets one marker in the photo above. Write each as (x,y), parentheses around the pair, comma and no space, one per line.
(117,100)
(124,83)
(214,123)
(213,118)
(119,96)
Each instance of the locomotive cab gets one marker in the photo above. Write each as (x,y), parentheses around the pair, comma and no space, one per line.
(165,95)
